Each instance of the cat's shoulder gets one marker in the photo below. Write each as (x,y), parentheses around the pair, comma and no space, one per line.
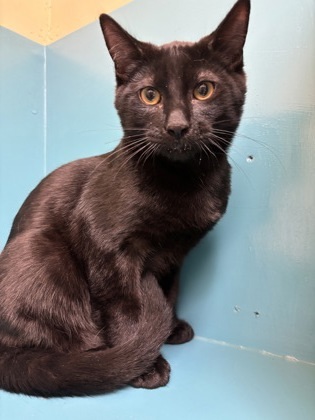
(75,171)
(81,165)
(64,182)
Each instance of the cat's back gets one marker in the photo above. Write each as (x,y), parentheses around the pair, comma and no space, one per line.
(53,199)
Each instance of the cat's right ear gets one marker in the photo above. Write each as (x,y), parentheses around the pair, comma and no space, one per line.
(125,50)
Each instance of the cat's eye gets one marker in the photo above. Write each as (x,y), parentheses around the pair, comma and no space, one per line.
(150,96)
(203,91)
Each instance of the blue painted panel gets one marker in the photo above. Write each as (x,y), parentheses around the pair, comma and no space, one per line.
(81,117)
(21,123)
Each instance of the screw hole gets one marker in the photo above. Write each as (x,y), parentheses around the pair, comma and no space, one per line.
(237,309)
(250,158)
(257,314)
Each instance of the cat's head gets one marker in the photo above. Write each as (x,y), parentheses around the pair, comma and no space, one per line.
(180,100)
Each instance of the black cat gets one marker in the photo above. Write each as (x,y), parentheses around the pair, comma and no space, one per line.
(89,275)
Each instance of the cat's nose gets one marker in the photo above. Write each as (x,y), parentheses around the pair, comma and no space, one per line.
(177,131)
(177,124)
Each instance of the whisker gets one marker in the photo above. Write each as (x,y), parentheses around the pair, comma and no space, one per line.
(127,147)
(120,151)
(226,142)
(233,161)
(135,152)
(152,153)
(201,148)
(132,136)
(207,149)
(146,154)
(259,142)
(237,134)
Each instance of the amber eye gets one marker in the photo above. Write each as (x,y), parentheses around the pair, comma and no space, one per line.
(203,91)
(150,96)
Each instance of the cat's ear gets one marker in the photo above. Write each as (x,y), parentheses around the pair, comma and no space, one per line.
(229,38)
(125,50)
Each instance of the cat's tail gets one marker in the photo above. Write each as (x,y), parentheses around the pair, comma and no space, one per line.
(46,373)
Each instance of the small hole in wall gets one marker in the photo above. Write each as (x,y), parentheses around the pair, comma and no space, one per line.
(257,314)
(250,158)
(237,309)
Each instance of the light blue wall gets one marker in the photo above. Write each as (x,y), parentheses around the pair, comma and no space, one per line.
(21,123)
(81,117)
(260,257)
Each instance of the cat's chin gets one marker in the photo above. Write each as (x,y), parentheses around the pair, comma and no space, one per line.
(179,154)
(179,157)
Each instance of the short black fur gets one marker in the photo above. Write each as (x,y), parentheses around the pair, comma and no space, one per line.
(89,275)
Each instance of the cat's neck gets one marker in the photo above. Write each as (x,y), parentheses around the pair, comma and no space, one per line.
(180,177)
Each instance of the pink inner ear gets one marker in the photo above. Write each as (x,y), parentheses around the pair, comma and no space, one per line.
(243,14)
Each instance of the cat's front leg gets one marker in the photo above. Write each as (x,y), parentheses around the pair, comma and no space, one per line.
(182,332)
(133,310)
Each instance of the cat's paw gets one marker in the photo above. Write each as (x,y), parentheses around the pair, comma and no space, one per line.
(158,376)
(182,333)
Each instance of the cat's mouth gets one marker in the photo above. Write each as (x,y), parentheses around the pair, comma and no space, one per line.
(178,151)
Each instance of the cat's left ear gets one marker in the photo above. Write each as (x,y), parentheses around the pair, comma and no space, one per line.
(229,38)
(125,50)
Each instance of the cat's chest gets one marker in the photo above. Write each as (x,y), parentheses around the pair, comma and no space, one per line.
(176,226)
(186,213)
(169,236)
(193,201)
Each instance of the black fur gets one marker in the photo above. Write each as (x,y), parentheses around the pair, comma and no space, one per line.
(89,275)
